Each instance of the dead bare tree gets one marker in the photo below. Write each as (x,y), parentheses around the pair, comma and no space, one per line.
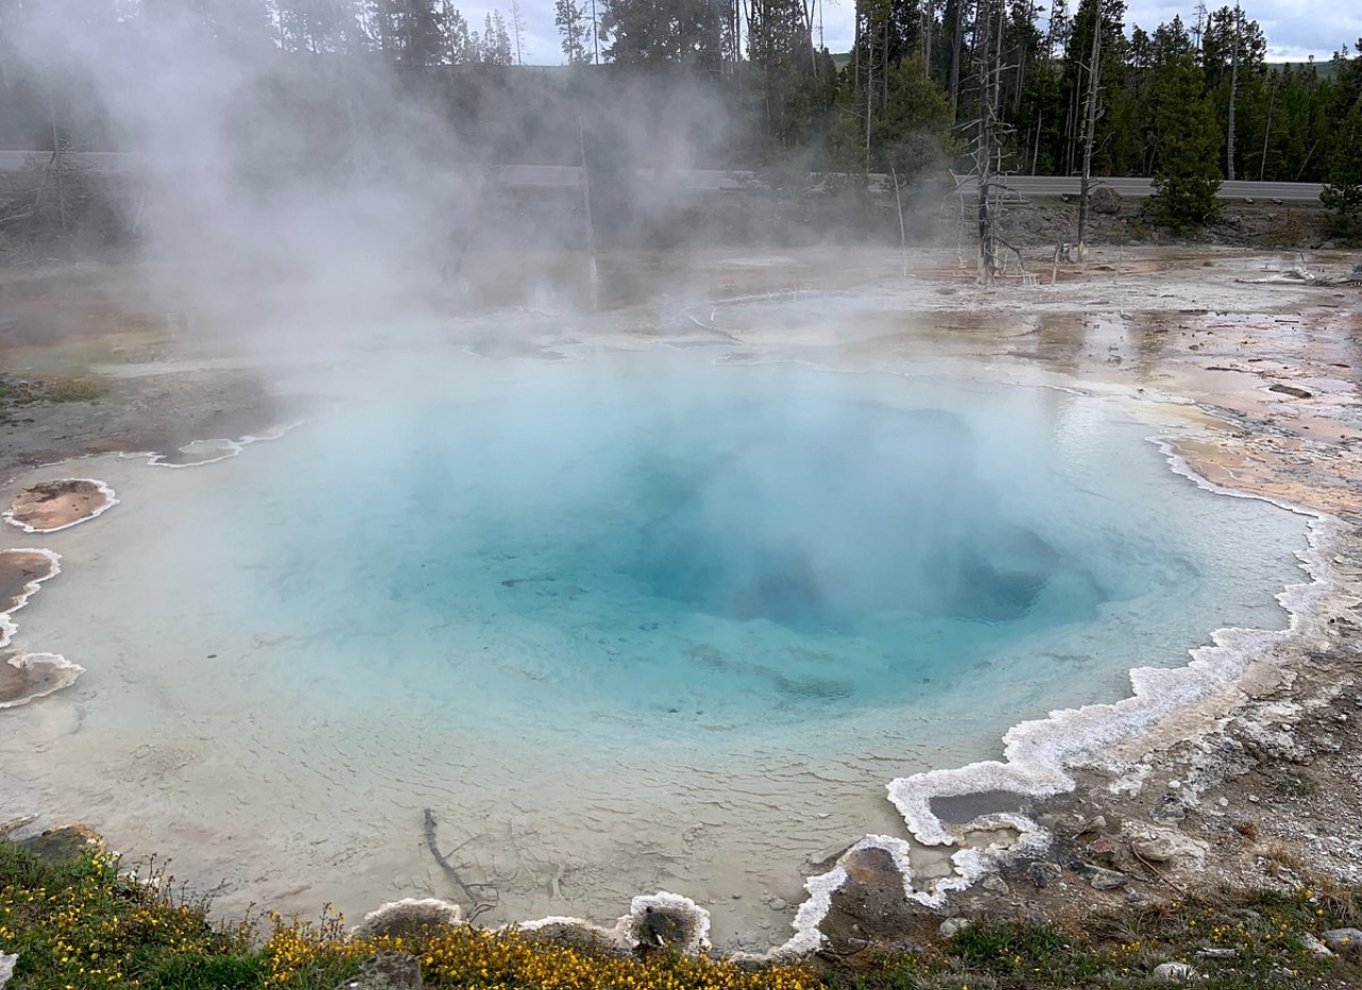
(589,221)
(478,899)
(986,133)
(1234,97)
(986,127)
(1090,129)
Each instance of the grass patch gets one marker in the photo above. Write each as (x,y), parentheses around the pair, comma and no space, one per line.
(1296,784)
(79,389)
(87,924)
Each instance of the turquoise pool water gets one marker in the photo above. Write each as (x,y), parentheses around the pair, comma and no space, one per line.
(625,623)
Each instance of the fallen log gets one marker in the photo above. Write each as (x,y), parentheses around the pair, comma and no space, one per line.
(478,904)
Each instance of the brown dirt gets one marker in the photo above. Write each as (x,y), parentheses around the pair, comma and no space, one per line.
(58,504)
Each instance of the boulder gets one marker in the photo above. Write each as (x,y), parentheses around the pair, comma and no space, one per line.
(1314,946)
(387,971)
(952,927)
(1104,879)
(1165,845)
(665,921)
(7,964)
(1343,939)
(1175,972)
(67,844)
(1105,200)
(1043,874)
(409,917)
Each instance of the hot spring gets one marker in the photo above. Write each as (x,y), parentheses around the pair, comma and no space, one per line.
(623,624)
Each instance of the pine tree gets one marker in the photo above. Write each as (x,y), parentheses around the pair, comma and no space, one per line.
(684,32)
(1187,170)
(1342,194)
(496,41)
(570,17)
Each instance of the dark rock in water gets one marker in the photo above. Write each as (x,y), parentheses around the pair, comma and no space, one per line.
(387,971)
(1291,390)
(826,858)
(64,845)
(1343,939)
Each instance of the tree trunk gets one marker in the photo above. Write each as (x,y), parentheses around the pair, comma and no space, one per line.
(593,272)
(955,49)
(1089,129)
(988,108)
(928,22)
(1267,131)
(1234,96)
(869,92)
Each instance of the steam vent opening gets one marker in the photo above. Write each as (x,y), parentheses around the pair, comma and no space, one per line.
(623,624)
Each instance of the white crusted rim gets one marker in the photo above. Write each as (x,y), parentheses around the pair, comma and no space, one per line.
(110,500)
(214,450)
(65,673)
(7,626)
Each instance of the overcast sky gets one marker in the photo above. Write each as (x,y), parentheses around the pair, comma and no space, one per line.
(1294,28)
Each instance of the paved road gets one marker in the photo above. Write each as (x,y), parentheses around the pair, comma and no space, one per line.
(714,180)
(1052,185)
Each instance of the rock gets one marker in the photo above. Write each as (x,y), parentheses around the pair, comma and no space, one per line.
(7,964)
(827,857)
(64,845)
(1171,810)
(1343,939)
(1136,899)
(1106,200)
(1314,946)
(573,933)
(387,971)
(1104,879)
(1175,972)
(1098,824)
(1104,850)
(409,917)
(1291,390)
(952,927)
(666,921)
(870,903)
(1157,850)
(1043,874)
(997,885)
(1217,953)
(1163,846)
